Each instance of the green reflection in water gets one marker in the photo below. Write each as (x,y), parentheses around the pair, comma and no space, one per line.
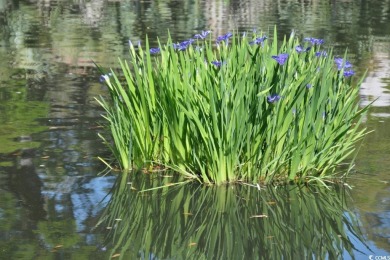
(18,119)
(229,222)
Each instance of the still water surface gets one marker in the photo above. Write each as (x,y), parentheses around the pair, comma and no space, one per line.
(51,193)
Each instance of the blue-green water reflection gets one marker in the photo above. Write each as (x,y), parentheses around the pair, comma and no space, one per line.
(230,222)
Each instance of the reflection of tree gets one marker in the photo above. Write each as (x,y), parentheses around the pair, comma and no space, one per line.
(21,205)
(105,28)
(34,215)
(60,233)
(26,185)
(18,118)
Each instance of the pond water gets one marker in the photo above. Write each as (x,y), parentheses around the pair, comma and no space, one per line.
(52,194)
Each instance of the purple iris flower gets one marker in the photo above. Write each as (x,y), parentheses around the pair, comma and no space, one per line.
(183,45)
(314,41)
(188,42)
(321,53)
(273,98)
(300,49)
(105,77)
(102,78)
(224,37)
(217,63)
(202,35)
(281,58)
(154,50)
(176,46)
(348,73)
(341,64)
(258,40)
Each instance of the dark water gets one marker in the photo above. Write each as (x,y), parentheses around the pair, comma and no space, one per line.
(51,193)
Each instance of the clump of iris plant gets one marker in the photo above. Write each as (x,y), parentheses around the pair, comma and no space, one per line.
(234,108)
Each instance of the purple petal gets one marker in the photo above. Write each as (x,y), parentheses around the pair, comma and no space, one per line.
(273,98)
(202,35)
(224,37)
(281,58)
(217,63)
(348,73)
(258,40)
(314,41)
(342,64)
(321,53)
(154,50)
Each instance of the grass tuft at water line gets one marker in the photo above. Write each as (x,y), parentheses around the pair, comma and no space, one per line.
(242,107)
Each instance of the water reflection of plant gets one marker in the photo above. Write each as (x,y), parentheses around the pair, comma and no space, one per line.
(245,109)
(229,222)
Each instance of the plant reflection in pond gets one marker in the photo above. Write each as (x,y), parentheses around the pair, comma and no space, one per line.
(194,221)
